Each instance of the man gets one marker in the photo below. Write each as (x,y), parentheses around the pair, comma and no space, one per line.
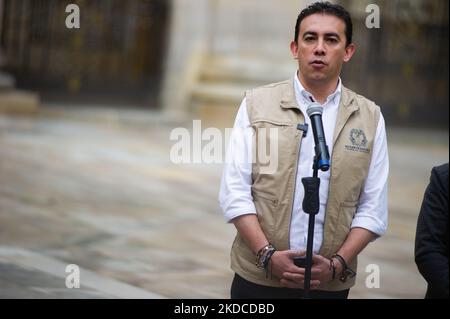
(266,205)
(431,249)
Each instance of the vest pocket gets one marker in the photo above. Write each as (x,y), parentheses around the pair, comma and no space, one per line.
(346,214)
(266,209)
(347,210)
(273,145)
(349,203)
(265,197)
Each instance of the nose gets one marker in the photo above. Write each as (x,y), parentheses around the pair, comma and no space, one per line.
(320,48)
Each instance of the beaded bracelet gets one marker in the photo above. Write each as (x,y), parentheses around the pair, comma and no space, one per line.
(263,256)
(333,268)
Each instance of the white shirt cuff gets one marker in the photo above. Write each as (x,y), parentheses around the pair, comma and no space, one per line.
(233,212)
(370,223)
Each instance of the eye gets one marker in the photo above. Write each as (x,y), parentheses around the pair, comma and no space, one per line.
(332,40)
(309,39)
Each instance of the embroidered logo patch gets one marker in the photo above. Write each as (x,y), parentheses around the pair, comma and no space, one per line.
(359,141)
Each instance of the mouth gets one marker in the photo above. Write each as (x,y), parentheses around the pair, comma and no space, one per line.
(319,63)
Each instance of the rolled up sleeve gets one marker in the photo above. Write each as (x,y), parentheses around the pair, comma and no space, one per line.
(235,197)
(372,212)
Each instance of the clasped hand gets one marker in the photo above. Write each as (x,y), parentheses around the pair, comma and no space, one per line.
(292,276)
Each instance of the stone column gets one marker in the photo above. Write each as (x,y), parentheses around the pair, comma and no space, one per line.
(188,37)
(241,30)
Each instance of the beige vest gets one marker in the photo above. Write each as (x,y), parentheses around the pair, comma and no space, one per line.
(275,106)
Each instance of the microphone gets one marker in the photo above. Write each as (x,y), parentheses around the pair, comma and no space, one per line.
(314,112)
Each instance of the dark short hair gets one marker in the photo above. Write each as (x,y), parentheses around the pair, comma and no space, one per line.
(327,8)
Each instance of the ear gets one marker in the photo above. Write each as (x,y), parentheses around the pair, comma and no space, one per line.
(349,51)
(294,50)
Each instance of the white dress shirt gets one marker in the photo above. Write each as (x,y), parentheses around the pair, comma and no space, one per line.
(235,196)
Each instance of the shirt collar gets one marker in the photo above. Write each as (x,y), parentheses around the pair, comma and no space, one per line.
(303,97)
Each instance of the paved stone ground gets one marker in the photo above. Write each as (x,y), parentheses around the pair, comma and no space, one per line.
(95,187)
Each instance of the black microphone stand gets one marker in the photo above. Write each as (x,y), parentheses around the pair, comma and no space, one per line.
(311,202)
(311,207)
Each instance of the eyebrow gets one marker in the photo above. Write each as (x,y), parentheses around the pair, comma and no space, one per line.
(328,34)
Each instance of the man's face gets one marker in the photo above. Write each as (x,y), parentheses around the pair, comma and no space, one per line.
(320,48)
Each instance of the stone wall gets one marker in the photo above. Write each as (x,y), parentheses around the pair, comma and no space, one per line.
(403,65)
(247,30)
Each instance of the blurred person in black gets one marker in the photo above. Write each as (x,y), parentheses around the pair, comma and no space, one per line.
(431,251)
